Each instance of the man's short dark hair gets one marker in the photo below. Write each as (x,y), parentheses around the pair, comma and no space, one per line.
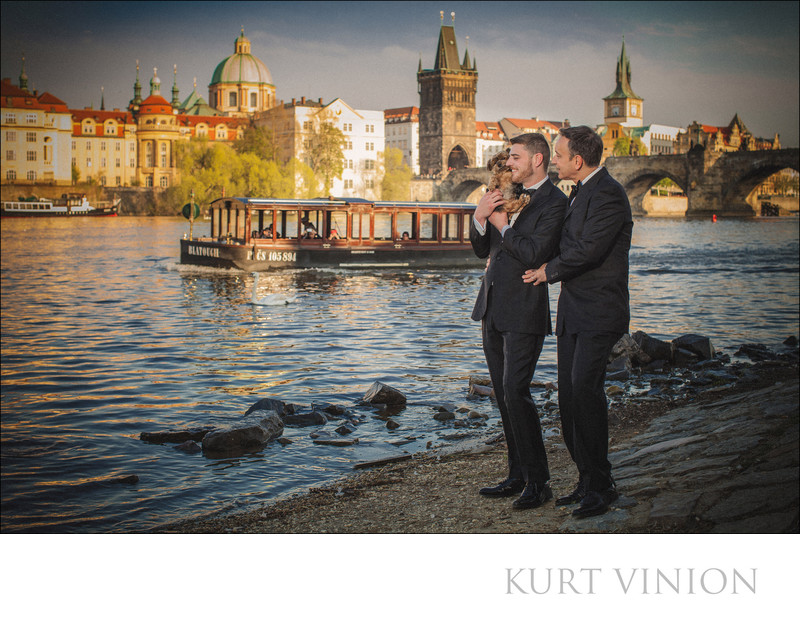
(584,142)
(535,144)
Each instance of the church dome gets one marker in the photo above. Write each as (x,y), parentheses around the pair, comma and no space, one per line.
(242,66)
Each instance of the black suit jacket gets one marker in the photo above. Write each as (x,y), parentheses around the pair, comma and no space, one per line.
(592,264)
(530,242)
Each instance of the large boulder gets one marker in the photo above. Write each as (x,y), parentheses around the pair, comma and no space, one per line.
(627,347)
(653,347)
(314,418)
(699,345)
(277,405)
(249,434)
(380,393)
(175,436)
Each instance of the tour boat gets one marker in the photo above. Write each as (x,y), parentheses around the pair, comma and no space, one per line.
(257,234)
(68,206)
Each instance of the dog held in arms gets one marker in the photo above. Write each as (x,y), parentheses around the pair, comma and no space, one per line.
(501,179)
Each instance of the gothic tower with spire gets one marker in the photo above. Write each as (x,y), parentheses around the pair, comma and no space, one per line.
(447,108)
(623,105)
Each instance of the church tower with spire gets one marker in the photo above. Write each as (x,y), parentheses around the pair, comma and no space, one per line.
(447,107)
(623,106)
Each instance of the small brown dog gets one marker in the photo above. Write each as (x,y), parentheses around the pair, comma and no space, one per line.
(501,179)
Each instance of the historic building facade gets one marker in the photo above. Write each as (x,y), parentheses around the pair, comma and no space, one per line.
(402,132)
(36,135)
(447,108)
(733,137)
(294,124)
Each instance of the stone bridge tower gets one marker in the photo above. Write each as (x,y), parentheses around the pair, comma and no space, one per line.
(447,108)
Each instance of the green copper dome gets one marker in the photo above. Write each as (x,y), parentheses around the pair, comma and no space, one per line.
(242,66)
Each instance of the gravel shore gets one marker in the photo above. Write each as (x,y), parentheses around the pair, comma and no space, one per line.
(724,460)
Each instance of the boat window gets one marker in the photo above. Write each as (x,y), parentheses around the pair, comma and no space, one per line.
(406,223)
(467,220)
(360,226)
(450,227)
(287,225)
(427,226)
(311,222)
(383,226)
(337,220)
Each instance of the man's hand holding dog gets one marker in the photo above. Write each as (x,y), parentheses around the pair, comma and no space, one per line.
(487,205)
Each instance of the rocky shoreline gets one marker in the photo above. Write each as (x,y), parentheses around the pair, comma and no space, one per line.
(698,444)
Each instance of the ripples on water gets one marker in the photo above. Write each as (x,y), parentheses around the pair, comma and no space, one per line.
(105,335)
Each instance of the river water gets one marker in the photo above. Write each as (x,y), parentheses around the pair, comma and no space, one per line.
(105,336)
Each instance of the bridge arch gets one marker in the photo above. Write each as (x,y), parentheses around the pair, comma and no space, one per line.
(751,173)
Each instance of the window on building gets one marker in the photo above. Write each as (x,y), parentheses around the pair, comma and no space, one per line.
(88,145)
(30,118)
(369,165)
(369,183)
(164,182)
(117,146)
(163,155)
(30,137)
(131,147)
(74,161)
(254,99)
(132,162)
(370,129)
(11,174)
(148,155)
(232,99)
(102,163)
(349,144)
(74,146)
(348,184)
(10,118)
(615,111)
(31,155)
(11,154)
(118,181)
(102,181)
(148,181)
(32,176)
(307,126)
(103,146)
(117,161)
(88,162)
(11,137)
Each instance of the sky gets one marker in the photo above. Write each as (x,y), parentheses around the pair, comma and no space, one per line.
(690,61)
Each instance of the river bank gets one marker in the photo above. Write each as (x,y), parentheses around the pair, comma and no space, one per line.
(724,460)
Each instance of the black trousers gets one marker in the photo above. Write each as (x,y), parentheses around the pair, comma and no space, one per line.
(511,358)
(582,359)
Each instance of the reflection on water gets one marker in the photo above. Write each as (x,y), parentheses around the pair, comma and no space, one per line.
(105,336)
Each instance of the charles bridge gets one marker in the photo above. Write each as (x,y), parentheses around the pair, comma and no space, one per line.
(714,182)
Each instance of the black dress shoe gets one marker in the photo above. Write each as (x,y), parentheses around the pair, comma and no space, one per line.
(576,496)
(533,496)
(596,503)
(508,487)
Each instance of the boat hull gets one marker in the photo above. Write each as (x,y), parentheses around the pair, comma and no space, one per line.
(257,258)
(97,212)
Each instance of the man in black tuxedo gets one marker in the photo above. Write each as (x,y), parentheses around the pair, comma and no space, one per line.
(516,317)
(593,309)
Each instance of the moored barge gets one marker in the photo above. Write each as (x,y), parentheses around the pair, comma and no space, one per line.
(257,234)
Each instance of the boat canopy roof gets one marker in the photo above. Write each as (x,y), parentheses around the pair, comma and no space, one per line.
(343,201)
